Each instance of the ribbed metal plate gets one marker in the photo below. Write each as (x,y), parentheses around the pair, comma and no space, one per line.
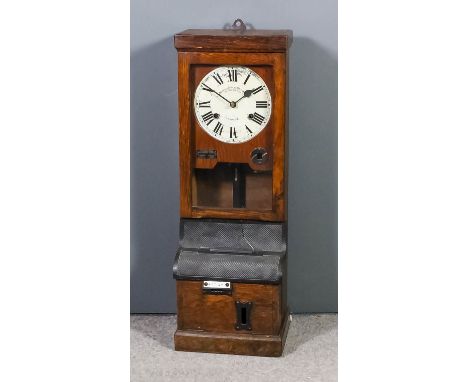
(234,251)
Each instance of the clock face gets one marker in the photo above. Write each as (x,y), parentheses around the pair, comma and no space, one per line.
(232,104)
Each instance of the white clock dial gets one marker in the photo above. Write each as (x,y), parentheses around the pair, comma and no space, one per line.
(232,104)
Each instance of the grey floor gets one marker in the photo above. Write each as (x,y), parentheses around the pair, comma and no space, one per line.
(310,354)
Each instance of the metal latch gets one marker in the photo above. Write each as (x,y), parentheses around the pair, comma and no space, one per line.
(217,287)
(207,154)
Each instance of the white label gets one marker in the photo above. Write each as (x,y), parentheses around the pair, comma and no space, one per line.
(216,285)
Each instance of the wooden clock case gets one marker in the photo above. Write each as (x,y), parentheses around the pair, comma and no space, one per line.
(215,320)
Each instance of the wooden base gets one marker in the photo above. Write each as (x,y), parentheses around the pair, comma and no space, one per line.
(238,343)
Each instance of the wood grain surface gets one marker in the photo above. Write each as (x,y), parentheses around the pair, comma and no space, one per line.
(227,343)
(233,41)
(273,68)
(207,312)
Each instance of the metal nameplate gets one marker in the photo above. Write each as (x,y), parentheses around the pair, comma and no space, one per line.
(206,154)
(224,285)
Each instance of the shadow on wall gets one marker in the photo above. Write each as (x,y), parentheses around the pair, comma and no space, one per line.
(312,282)
(313,178)
(154,177)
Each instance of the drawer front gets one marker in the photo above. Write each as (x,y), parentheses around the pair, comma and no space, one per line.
(217,312)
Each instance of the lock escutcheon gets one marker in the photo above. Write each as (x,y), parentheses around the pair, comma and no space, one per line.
(259,155)
(243,310)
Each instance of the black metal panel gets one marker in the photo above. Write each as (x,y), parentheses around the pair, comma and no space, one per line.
(231,267)
(231,250)
(241,236)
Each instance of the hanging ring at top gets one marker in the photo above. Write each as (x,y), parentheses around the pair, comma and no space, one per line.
(238,24)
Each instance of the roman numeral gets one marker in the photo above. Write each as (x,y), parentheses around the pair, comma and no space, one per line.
(255,91)
(218,78)
(250,131)
(205,104)
(232,75)
(218,128)
(232,132)
(261,104)
(246,79)
(208,117)
(258,118)
(205,87)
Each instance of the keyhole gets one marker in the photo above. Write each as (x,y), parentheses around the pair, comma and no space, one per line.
(259,155)
(243,310)
(244,316)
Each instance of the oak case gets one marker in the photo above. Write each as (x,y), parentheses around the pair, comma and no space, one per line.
(209,322)
(272,67)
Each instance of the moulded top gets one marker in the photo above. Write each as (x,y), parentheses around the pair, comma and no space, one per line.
(221,40)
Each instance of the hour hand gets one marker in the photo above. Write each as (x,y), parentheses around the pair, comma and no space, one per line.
(248,93)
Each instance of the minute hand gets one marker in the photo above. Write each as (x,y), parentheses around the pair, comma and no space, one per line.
(214,91)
